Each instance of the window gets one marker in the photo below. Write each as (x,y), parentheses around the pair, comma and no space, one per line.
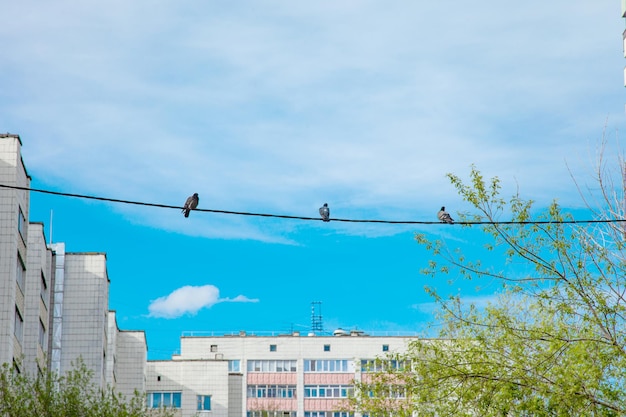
(234,366)
(397,391)
(204,403)
(385,348)
(213,348)
(271,365)
(42,335)
(164,399)
(390,391)
(270,413)
(20,272)
(272,348)
(271,391)
(380,365)
(328,365)
(328,391)
(328,414)
(21,222)
(19,326)
(326,348)
(44,290)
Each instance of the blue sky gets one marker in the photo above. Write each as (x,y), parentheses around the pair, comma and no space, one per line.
(278,107)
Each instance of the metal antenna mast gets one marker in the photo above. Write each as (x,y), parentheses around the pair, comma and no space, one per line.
(316,317)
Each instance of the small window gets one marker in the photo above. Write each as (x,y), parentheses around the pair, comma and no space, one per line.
(272,348)
(19,325)
(326,348)
(43,291)
(204,402)
(385,348)
(21,222)
(20,272)
(42,335)
(213,348)
(234,366)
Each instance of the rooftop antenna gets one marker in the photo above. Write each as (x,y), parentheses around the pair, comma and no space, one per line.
(51,227)
(316,317)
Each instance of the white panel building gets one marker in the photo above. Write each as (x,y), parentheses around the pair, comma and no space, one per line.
(14,205)
(54,306)
(265,376)
(126,358)
(37,300)
(85,313)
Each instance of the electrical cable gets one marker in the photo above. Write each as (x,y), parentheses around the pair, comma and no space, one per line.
(283,216)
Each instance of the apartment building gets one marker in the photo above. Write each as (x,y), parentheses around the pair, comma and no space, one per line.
(20,309)
(126,359)
(37,304)
(266,376)
(54,305)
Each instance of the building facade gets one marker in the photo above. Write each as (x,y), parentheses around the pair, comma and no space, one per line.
(85,313)
(266,376)
(14,205)
(37,301)
(54,305)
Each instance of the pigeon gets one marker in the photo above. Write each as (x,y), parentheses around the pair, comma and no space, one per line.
(190,204)
(444,216)
(325,212)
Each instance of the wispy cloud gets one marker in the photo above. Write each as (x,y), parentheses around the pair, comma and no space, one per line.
(364,105)
(188,300)
(240,299)
(479,302)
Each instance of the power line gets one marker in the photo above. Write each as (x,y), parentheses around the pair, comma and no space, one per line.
(284,216)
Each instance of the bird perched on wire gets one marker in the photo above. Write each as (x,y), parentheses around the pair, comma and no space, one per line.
(190,204)
(444,216)
(325,212)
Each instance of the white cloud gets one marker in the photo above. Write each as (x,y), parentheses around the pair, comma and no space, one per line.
(288,105)
(189,300)
(241,299)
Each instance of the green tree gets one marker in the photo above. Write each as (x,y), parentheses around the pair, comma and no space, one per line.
(71,395)
(552,344)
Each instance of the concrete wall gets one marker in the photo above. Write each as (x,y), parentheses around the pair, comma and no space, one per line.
(191,378)
(12,244)
(85,313)
(132,352)
(37,301)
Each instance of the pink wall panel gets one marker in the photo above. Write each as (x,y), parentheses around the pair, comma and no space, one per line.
(272,378)
(325,404)
(366,378)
